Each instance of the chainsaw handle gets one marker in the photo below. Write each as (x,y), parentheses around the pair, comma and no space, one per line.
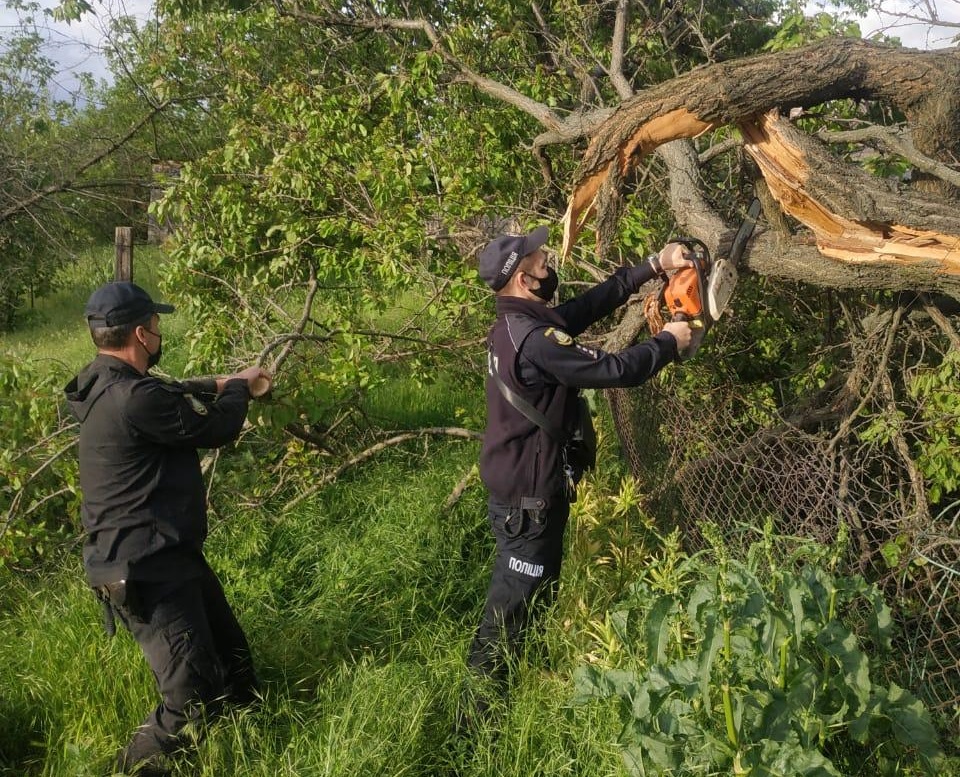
(701,254)
(686,292)
(697,333)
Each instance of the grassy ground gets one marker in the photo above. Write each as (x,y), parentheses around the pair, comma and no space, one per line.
(359,605)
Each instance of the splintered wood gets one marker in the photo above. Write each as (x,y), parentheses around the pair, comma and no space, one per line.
(679,123)
(786,170)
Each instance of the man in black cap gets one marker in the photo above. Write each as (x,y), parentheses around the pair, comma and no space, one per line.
(144,512)
(535,371)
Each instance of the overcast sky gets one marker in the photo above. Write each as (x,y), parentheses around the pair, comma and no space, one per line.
(914,35)
(78,47)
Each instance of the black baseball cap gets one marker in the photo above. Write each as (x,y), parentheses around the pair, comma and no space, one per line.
(499,259)
(119,303)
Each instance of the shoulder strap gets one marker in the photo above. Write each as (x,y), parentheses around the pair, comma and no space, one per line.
(525,408)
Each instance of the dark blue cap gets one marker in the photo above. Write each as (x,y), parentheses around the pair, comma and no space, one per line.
(500,258)
(119,303)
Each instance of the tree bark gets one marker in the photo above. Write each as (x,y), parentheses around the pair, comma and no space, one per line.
(884,236)
(870,233)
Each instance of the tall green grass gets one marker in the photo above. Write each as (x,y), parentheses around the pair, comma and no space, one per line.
(359,605)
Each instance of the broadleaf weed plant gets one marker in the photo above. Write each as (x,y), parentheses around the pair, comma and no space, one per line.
(761,666)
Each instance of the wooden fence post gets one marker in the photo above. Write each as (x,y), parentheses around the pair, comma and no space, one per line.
(123,239)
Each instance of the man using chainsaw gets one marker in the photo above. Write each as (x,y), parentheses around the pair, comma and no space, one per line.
(538,435)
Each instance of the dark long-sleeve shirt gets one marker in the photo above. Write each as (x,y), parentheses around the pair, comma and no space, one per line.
(534,350)
(144,501)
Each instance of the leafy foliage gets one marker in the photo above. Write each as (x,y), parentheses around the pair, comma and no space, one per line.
(760,667)
(31,122)
(327,212)
(796,28)
(39,498)
(939,449)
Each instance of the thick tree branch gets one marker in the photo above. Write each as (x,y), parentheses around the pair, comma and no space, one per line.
(618,49)
(734,92)
(694,213)
(898,142)
(71,182)
(856,218)
(574,127)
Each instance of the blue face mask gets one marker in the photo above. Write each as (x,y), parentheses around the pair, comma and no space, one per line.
(548,285)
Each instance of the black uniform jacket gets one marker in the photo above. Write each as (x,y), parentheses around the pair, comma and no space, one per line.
(534,351)
(144,502)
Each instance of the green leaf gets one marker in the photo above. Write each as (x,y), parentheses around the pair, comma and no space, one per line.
(911,723)
(620,623)
(682,676)
(663,752)
(838,642)
(794,595)
(587,684)
(776,759)
(632,756)
(709,647)
(591,682)
(881,619)
(657,628)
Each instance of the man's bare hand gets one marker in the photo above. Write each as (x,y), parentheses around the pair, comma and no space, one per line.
(674,256)
(258,380)
(681,332)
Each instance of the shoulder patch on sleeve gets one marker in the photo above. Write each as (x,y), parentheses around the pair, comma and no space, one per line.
(558,336)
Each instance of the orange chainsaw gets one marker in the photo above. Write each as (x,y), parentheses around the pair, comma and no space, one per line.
(699,294)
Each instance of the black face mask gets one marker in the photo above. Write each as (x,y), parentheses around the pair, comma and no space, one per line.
(548,285)
(153,359)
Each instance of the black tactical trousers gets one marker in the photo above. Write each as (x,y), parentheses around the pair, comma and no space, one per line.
(198,654)
(526,570)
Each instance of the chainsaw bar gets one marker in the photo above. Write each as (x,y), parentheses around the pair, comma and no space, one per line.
(723,276)
(746,229)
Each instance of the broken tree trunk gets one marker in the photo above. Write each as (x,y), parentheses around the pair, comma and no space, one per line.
(864,232)
(860,221)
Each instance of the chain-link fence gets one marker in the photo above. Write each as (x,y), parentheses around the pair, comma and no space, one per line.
(847,455)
